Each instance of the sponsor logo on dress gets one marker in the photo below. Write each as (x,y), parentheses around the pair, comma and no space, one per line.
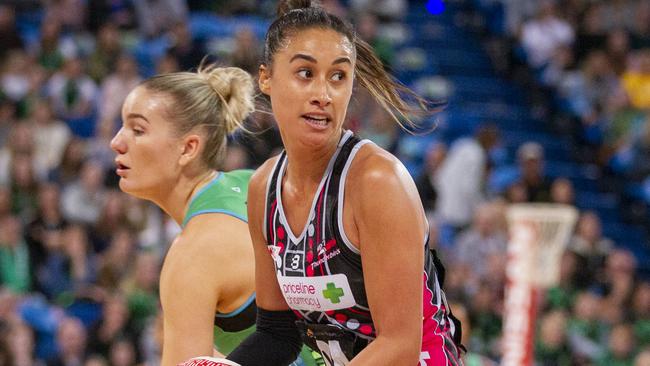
(322,293)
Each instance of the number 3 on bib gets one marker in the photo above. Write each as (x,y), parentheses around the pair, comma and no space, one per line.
(332,353)
(295,261)
(424,356)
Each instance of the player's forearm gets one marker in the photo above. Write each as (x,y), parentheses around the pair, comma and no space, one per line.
(275,342)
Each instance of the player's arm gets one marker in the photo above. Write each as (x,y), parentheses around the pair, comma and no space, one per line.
(391,229)
(189,291)
(276,340)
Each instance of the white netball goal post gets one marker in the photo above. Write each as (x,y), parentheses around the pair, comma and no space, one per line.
(538,235)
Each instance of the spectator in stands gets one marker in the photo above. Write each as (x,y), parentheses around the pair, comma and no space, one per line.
(83,199)
(14,80)
(37,80)
(643,357)
(560,67)
(461,178)
(379,128)
(5,202)
(368,28)
(24,186)
(590,245)
(168,63)
(21,344)
(636,81)
(536,184)
(635,155)
(155,17)
(10,38)
(641,29)
(48,222)
(561,295)
(20,143)
(621,346)
(52,49)
(107,49)
(151,341)
(98,149)
(113,326)
(187,50)
(15,267)
(477,245)
(544,34)
(117,12)
(71,91)
(7,119)
(335,7)
(123,353)
(618,283)
(119,255)
(471,357)
(236,158)
(141,289)
(6,358)
(112,215)
(247,52)
(81,262)
(516,12)
(435,156)
(486,319)
(640,313)
(586,333)
(96,360)
(71,14)
(551,348)
(51,136)
(586,91)
(618,49)
(618,14)
(71,342)
(386,10)
(71,163)
(116,86)
(562,191)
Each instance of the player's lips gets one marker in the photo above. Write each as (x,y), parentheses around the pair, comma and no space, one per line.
(317,119)
(121,168)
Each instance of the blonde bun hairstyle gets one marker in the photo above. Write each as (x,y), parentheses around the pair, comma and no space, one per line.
(214,100)
(234,87)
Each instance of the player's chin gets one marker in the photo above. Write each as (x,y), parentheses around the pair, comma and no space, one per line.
(208,361)
(128,187)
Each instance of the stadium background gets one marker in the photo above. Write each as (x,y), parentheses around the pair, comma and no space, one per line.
(547,101)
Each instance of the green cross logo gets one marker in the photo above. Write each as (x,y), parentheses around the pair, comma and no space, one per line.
(333,293)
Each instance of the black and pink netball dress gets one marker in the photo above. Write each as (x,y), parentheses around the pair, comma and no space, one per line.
(320,274)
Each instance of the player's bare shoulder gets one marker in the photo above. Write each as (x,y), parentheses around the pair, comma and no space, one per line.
(374,168)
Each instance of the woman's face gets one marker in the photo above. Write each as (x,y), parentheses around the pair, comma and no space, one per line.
(310,86)
(147,149)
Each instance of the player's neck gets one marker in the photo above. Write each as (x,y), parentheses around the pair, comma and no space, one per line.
(177,201)
(308,167)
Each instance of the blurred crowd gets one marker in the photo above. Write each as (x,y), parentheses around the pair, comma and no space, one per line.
(79,260)
(588,65)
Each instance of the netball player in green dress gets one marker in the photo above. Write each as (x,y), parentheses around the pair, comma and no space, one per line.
(168,149)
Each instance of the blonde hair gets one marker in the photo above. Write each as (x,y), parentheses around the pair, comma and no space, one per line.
(214,99)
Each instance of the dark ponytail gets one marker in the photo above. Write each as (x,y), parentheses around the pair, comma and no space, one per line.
(286,6)
(296,15)
(388,92)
